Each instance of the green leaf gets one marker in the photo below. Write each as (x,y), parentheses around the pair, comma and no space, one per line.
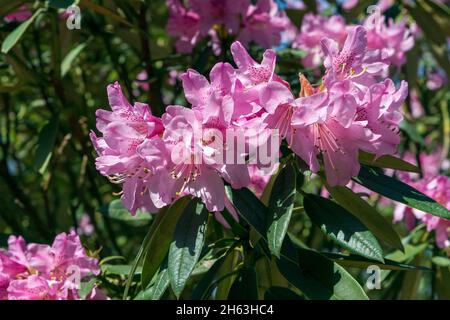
(46,142)
(86,288)
(68,60)
(399,191)
(367,214)
(117,211)
(161,236)
(203,288)
(245,286)
(386,162)
(187,244)
(430,27)
(342,227)
(225,274)
(148,239)
(436,30)
(281,204)
(11,40)
(280,293)
(158,287)
(252,210)
(410,252)
(441,261)
(161,284)
(354,261)
(119,269)
(320,278)
(411,282)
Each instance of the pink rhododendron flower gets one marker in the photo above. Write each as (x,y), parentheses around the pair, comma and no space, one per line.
(22,14)
(313,30)
(417,110)
(338,140)
(142,81)
(386,43)
(393,39)
(85,226)
(436,80)
(193,20)
(437,188)
(42,272)
(263,24)
(184,24)
(219,12)
(129,132)
(348,113)
(259,179)
(349,4)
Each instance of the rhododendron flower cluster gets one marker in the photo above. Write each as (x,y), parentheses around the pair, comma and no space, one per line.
(43,272)
(437,188)
(386,42)
(433,185)
(186,150)
(261,22)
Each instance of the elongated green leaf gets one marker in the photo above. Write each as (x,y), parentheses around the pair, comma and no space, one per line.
(386,162)
(410,252)
(439,12)
(411,282)
(148,238)
(436,30)
(157,288)
(203,288)
(367,214)
(186,246)
(250,208)
(46,142)
(68,60)
(245,286)
(17,33)
(320,278)
(161,284)
(430,27)
(399,191)
(362,263)
(227,279)
(119,269)
(441,261)
(159,242)
(281,204)
(342,227)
